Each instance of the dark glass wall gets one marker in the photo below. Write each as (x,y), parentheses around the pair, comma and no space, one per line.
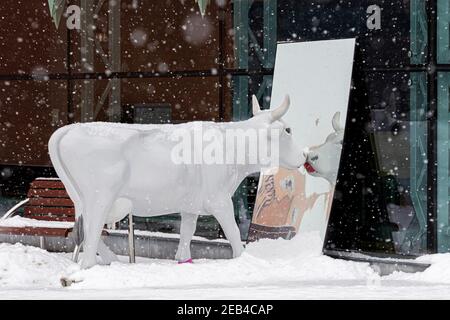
(380,203)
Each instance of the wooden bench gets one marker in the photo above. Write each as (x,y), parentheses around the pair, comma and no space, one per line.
(48,201)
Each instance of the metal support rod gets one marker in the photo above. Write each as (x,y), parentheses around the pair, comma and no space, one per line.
(221,63)
(70,110)
(76,253)
(114,47)
(178,74)
(87,59)
(13,210)
(131,249)
(432,75)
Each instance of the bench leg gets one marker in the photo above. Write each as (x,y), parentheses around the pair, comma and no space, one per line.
(131,248)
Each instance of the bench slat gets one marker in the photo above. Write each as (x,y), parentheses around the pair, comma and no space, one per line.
(52,218)
(50,202)
(47,193)
(55,211)
(47,184)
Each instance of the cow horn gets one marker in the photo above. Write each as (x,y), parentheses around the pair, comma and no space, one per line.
(255,105)
(279,112)
(337,122)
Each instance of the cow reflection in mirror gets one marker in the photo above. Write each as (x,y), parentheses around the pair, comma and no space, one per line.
(323,160)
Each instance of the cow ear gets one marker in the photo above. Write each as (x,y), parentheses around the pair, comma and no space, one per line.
(337,122)
(255,106)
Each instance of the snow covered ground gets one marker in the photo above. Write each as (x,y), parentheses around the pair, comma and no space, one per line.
(268,269)
(18,221)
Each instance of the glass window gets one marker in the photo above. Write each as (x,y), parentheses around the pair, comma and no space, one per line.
(443,149)
(388,45)
(381,198)
(380,201)
(443,25)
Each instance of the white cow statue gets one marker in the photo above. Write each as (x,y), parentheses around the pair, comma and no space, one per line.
(111,170)
(323,160)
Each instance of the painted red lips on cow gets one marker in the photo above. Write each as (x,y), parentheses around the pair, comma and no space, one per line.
(309,168)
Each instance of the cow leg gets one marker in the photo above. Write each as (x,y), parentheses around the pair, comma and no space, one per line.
(187,230)
(223,211)
(94,220)
(105,253)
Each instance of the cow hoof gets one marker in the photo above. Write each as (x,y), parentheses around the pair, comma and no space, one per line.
(238,252)
(186,261)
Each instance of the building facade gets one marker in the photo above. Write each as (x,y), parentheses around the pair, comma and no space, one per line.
(148,62)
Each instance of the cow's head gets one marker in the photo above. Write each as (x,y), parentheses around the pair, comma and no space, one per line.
(323,160)
(291,156)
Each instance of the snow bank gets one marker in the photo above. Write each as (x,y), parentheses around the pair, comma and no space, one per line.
(269,269)
(29,267)
(438,272)
(268,262)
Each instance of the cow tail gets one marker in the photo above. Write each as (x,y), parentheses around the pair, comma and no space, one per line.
(68,181)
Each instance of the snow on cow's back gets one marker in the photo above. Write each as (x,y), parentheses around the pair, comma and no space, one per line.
(83,139)
(164,127)
(117,131)
(109,138)
(122,131)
